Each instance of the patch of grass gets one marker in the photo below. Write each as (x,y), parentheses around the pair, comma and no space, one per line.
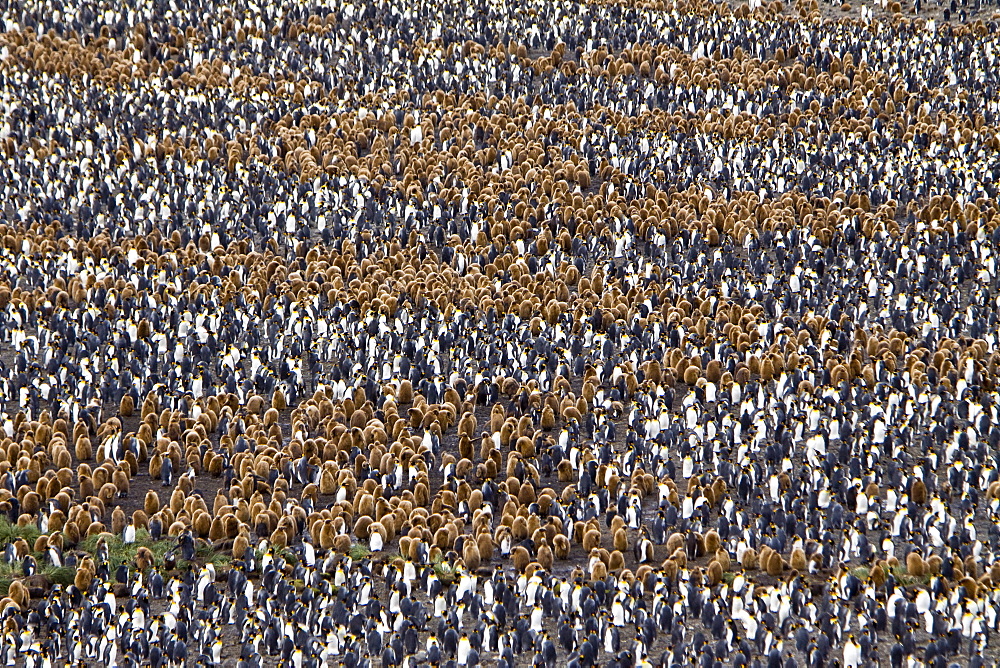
(907,580)
(10,571)
(11,532)
(13,571)
(728,578)
(120,552)
(359,551)
(159,548)
(89,544)
(62,575)
(861,573)
(207,555)
(283,552)
(444,571)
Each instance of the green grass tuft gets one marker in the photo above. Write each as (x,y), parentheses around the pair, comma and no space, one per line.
(118,553)
(283,552)
(11,532)
(207,555)
(63,575)
(122,553)
(13,571)
(444,571)
(359,551)
(907,580)
(60,575)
